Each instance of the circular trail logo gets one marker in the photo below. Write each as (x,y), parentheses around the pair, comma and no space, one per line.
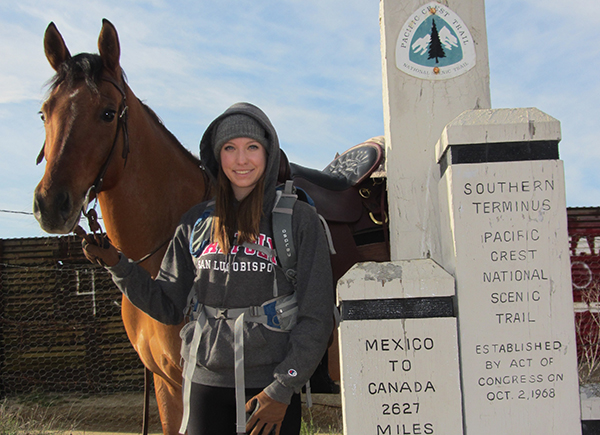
(435,44)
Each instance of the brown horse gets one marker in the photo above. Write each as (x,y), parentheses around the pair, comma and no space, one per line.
(99,134)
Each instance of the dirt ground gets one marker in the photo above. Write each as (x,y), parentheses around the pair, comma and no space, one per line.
(122,413)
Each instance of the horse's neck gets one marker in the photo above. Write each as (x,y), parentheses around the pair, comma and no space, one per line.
(157,185)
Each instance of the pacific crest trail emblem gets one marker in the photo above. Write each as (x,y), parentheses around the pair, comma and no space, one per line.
(435,44)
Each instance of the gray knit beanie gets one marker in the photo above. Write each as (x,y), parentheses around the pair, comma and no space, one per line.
(238,125)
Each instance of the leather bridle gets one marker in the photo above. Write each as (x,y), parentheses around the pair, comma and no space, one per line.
(96,186)
(121,125)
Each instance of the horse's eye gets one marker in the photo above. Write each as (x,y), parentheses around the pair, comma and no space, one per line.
(108,115)
(42,116)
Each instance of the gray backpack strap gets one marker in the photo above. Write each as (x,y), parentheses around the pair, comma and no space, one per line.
(327,235)
(239,376)
(282,230)
(190,365)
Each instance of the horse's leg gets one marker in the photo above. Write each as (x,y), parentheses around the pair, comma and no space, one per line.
(158,348)
(164,347)
(170,406)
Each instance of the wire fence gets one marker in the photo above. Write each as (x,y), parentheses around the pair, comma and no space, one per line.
(60,323)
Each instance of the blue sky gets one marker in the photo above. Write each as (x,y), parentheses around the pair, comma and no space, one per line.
(314,66)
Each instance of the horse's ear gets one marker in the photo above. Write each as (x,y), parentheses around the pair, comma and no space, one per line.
(108,45)
(55,48)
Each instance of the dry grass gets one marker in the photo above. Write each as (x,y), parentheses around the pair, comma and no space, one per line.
(122,413)
(35,419)
(325,417)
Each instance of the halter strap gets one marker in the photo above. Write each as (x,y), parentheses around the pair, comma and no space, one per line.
(96,186)
(121,124)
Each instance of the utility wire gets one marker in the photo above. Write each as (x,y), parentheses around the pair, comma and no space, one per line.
(28,213)
(17,212)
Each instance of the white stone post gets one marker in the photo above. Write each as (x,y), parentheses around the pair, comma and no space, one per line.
(420,96)
(398,350)
(504,220)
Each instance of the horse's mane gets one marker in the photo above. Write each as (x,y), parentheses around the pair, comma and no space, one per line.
(88,67)
(157,119)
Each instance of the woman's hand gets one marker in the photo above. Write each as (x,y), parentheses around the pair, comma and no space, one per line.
(97,248)
(267,413)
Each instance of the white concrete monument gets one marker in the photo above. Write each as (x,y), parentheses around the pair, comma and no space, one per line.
(502,197)
(434,67)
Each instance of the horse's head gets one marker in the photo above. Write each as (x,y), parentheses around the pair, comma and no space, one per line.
(85,122)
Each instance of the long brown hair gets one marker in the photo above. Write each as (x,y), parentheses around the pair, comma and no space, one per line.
(243,220)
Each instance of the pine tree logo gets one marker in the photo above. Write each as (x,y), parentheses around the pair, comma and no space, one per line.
(435,44)
(436,50)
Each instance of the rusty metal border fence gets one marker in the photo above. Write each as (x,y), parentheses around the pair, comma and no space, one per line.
(584,238)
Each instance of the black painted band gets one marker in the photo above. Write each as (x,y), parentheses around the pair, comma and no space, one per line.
(408,308)
(499,152)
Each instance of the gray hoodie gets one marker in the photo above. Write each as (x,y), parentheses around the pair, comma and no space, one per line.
(280,362)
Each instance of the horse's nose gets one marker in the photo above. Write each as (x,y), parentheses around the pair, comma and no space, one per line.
(38,205)
(56,209)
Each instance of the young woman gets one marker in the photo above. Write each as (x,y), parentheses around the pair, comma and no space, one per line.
(222,259)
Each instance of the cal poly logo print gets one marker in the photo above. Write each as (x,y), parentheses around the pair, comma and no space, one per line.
(435,44)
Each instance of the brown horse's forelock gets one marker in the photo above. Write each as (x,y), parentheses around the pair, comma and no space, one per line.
(85,67)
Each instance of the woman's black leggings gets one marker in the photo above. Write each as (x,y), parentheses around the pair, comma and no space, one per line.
(212,411)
